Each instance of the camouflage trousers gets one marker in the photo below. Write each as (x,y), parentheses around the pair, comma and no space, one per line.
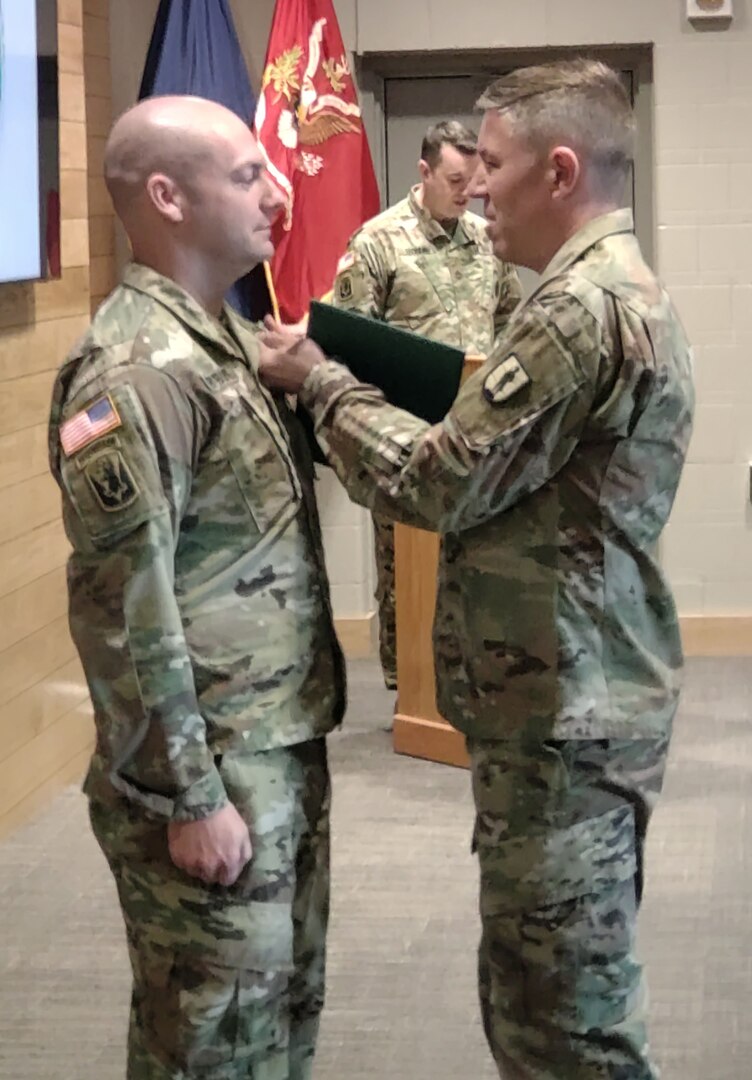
(383,531)
(228,983)
(560,835)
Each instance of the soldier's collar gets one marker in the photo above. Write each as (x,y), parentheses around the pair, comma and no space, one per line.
(182,305)
(617,221)
(431,227)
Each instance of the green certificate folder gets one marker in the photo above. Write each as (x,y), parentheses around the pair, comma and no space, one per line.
(415,374)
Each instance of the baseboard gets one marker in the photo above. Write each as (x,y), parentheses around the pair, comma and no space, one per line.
(358,635)
(717,635)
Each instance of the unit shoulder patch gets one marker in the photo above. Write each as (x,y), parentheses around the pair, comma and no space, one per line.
(111,480)
(506,379)
(344,287)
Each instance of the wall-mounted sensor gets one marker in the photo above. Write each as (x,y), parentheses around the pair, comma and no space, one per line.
(710,9)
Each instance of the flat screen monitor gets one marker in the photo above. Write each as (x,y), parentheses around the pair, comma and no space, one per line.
(29,141)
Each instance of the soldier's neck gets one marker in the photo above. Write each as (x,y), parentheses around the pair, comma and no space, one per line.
(206,283)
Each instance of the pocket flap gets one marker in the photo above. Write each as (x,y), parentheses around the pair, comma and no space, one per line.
(528,872)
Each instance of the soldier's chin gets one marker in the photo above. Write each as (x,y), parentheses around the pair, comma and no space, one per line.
(497,241)
(264,251)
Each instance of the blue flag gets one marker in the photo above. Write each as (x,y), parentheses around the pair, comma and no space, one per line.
(194,49)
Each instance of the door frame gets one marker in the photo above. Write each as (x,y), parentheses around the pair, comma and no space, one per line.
(374,69)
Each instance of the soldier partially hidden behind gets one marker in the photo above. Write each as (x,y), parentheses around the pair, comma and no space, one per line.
(200,608)
(426,264)
(556,639)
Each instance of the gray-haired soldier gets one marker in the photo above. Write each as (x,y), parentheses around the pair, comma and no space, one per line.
(200,608)
(556,638)
(427,265)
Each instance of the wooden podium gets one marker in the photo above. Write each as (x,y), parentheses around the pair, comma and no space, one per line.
(419,729)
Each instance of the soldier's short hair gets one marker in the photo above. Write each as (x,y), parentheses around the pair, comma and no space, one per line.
(580,102)
(447,133)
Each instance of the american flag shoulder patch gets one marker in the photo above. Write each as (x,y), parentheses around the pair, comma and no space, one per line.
(89,424)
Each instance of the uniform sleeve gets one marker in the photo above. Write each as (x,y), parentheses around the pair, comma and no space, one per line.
(514,425)
(510,294)
(363,277)
(125,496)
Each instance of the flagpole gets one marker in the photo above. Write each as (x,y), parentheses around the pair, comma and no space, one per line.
(272,292)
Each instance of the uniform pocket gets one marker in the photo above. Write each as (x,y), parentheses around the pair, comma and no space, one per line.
(209,966)
(252,442)
(199,1011)
(522,873)
(558,912)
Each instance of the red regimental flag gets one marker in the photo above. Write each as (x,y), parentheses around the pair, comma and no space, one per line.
(310,129)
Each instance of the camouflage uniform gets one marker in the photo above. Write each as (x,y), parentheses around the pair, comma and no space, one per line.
(556,639)
(200,608)
(404,268)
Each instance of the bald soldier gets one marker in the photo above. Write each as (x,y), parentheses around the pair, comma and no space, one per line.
(426,265)
(556,639)
(200,608)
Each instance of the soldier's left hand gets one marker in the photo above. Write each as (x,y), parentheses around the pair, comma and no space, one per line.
(286,358)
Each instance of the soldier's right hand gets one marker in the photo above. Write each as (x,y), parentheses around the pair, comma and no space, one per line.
(214,849)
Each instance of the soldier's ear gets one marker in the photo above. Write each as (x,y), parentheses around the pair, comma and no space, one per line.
(424,169)
(166,196)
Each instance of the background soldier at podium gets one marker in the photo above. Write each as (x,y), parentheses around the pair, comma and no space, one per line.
(426,264)
(557,645)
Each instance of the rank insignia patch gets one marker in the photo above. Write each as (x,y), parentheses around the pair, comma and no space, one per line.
(111,481)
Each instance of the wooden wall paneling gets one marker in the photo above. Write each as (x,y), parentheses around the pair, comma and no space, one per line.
(25,402)
(99,200)
(97,76)
(74,242)
(97,34)
(43,792)
(98,116)
(98,122)
(74,192)
(73,150)
(70,12)
(23,454)
(102,267)
(72,98)
(28,303)
(45,721)
(28,505)
(42,705)
(95,145)
(25,350)
(35,657)
(101,235)
(28,609)
(70,49)
(31,556)
(52,749)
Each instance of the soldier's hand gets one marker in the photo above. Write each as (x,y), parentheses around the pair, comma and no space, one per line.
(214,849)
(286,357)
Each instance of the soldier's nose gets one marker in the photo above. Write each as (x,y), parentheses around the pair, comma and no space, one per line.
(476,189)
